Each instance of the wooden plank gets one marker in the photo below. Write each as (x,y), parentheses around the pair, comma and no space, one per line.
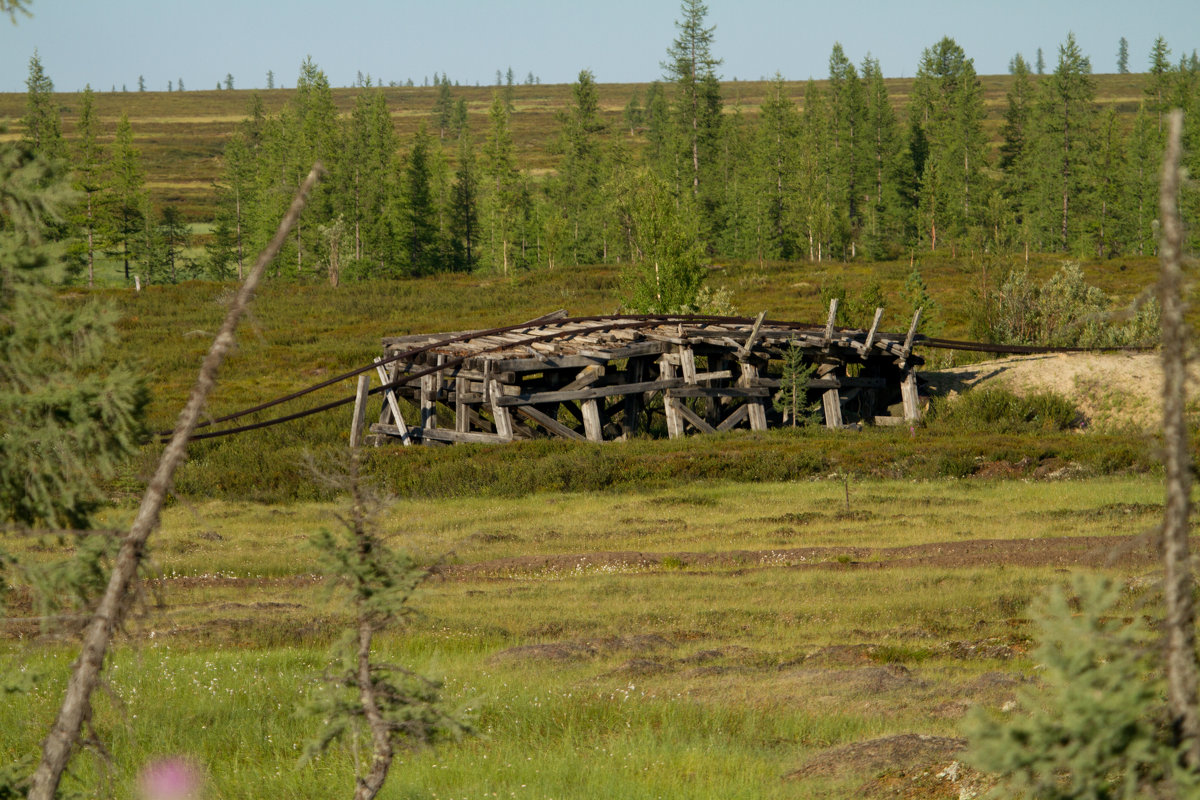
(591,421)
(667,375)
(549,423)
(740,413)
(691,416)
(890,421)
(457,437)
(594,393)
(720,375)
(359,421)
(500,413)
(835,382)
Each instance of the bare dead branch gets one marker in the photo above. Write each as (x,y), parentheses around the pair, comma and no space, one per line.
(76,704)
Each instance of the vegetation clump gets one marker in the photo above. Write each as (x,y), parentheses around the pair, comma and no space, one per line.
(1002,411)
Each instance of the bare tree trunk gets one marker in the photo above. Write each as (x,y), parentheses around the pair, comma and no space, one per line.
(1177,579)
(110,614)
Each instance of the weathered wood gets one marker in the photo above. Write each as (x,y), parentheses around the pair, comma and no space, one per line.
(592,426)
(908,392)
(866,348)
(442,435)
(908,340)
(756,411)
(428,399)
(392,404)
(667,375)
(359,421)
(461,422)
(739,414)
(586,377)
(594,393)
(831,402)
(890,421)
(748,345)
(503,421)
(549,423)
(833,308)
(687,363)
(720,391)
(691,416)
(835,382)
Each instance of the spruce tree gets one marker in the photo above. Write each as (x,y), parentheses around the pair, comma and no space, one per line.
(1123,56)
(503,186)
(884,216)
(88,159)
(126,194)
(464,208)
(576,188)
(41,123)
(778,145)
(1158,89)
(421,238)
(67,424)
(690,62)
(846,148)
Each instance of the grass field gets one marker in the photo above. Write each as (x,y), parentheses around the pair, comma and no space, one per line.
(703,640)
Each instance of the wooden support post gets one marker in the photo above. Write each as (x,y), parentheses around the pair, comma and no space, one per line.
(428,398)
(591,420)
(461,423)
(689,415)
(908,391)
(687,362)
(359,423)
(831,401)
(758,414)
(503,421)
(833,307)
(743,350)
(674,421)
(634,371)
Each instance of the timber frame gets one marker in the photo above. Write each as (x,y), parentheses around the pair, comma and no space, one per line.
(584,380)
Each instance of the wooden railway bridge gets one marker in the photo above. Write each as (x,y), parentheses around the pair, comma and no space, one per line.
(605,379)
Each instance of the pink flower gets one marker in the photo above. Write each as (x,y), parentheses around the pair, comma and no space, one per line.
(172,778)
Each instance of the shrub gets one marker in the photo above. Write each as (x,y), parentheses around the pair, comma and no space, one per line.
(1002,411)
(1095,728)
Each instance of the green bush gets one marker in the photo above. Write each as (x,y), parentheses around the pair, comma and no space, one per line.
(1002,411)
(1095,725)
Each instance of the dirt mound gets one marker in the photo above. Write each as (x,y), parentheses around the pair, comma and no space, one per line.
(906,751)
(861,680)
(1113,391)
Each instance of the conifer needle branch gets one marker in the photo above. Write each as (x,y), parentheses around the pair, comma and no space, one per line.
(109,615)
(1177,578)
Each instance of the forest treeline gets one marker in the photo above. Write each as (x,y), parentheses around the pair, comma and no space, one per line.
(841,172)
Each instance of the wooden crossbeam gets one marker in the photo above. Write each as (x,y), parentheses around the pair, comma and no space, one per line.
(691,416)
(739,414)
(549,423)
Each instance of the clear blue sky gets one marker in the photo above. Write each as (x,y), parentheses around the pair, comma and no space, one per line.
(112,42)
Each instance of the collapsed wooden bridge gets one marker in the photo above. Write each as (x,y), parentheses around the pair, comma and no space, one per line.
(605,379)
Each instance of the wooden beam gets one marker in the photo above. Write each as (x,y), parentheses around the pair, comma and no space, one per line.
(549,423)
(748,345)
(687,363)
(720,391)
(908,340)
(667,375)
(444,435)
(392,404)
(740,413)
(586,394)
(359,421)
(586,377)
(870,340)
(691,416)
(504,426)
